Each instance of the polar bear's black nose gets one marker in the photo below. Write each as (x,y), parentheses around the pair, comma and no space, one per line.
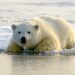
(23,40)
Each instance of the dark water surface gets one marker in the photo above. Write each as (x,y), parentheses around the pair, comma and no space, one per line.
(36,65)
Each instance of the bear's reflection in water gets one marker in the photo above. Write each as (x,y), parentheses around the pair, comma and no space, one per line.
(36,65)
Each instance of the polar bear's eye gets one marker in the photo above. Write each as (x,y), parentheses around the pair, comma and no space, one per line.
(29,32)
(19,32)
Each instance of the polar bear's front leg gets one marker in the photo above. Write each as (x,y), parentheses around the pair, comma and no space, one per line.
(47,44)
(13,48)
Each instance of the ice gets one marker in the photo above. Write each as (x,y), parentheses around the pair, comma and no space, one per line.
(67,52)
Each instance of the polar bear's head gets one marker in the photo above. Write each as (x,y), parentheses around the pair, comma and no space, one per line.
(25,34)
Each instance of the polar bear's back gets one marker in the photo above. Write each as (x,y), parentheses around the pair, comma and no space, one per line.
(61,27)
(58,24)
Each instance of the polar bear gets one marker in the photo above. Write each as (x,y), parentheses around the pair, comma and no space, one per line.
(42,34)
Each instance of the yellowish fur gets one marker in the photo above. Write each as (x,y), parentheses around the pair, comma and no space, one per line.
(47,44)
(13,48)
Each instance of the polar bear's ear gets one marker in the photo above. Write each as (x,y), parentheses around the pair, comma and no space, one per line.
(36,27)
(13,27)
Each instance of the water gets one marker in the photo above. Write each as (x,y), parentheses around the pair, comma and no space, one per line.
(38,65)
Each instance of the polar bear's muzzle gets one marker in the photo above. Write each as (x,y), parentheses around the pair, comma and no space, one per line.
(23,40)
